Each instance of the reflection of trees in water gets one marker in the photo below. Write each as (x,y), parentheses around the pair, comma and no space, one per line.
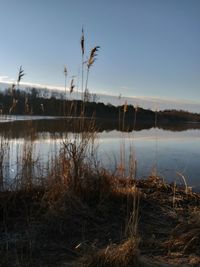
(179,127)
(57,128)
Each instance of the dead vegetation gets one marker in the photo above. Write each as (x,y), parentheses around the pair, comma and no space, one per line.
(53,225)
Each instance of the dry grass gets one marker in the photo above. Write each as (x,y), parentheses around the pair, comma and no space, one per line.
(124,254)
(89,226)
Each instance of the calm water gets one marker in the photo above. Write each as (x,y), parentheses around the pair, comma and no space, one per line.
(165,152)
(161,151)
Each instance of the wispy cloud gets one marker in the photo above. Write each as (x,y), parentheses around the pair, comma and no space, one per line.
(3,78)
(39,85)
(7,80)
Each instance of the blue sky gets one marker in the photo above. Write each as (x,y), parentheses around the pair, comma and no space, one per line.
(149,48)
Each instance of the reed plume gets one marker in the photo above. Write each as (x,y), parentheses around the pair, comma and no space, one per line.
(14,100)
(83,42)
(65,71)
(93,55)
(72,86)
(90,62)
(20,75)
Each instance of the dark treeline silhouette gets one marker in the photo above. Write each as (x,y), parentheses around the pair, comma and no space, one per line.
(31,102)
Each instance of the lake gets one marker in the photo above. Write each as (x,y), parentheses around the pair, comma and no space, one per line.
(164,152)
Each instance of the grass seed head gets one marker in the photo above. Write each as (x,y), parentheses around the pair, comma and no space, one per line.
(83,42)
(65,71)
(72,86)
(20,75)
(93,55)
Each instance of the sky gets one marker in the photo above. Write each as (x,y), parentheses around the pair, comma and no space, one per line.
(148,48)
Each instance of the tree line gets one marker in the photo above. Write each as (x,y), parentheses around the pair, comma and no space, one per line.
(36,102)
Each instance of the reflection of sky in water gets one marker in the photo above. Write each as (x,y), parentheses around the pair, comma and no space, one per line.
(169,152)
(166,151)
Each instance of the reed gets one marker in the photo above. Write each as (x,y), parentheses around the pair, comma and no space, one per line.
(82,63)
(4,153)
(20,76)
(184,181)
(65,97)
(90,62)
(13,92)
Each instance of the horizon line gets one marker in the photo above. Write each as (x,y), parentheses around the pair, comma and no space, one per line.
(154,99)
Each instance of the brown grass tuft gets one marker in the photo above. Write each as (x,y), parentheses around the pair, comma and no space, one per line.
(124,254)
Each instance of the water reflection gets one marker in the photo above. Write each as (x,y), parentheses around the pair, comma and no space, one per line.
(164,151)
(159,150)
(20,126)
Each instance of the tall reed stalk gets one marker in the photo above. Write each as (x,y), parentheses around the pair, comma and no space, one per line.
(3,158)
(64,103)
(155,164)
(82,63)
(132,226)
(14,99)
(119,97)
(122,165)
